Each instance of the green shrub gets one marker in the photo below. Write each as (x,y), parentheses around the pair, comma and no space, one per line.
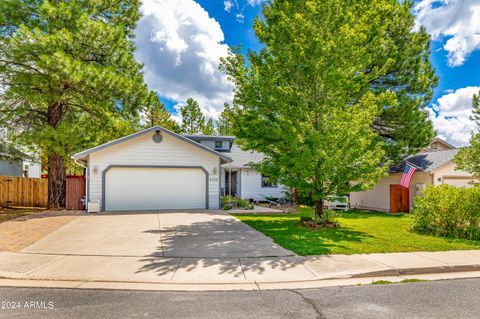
(449,211)
(227,207)
(242,203)
(326,220)
(328,217)
(227,199)
(249,206)
(306,219)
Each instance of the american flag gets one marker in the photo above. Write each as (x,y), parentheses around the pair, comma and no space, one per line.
(407,175)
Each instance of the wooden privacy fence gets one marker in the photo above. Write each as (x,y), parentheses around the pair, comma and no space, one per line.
(23,191)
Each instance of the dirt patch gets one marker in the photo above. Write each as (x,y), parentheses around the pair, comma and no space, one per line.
(8,213)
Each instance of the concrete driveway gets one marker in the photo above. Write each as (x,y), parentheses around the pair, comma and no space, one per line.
(198,234)
(200,246)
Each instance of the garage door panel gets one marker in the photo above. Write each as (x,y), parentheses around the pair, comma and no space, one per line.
(154,188)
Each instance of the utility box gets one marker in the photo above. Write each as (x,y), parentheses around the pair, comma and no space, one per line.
(93,207)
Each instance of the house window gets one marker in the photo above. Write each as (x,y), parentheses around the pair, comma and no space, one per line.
(268,182)
(218,145)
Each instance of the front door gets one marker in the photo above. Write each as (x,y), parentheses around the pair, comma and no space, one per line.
(399,199)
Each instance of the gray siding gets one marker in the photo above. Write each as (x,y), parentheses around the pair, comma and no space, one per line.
(11,168)
(251,186)
(211,144)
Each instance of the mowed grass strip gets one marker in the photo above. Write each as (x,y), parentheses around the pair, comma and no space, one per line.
(359,233)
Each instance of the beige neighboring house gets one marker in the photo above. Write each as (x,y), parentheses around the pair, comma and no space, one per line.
(435,166)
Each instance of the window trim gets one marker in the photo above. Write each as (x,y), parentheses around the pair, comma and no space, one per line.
(275,185)
(218,147)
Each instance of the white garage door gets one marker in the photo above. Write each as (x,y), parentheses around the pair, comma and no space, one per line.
(154,188)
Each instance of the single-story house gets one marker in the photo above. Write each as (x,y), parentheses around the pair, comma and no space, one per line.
(435,166)
(159,169)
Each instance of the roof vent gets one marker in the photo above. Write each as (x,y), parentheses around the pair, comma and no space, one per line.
(157,137)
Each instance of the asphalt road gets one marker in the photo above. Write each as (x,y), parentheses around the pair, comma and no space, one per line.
(436,299)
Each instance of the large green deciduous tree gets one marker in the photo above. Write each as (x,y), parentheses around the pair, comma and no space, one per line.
(468,158)
(154,114)
(193,120)
(68,75)
(339,87)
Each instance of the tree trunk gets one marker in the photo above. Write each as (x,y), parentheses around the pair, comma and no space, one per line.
(56,181)
(318,208)
(294,196)
(56,167)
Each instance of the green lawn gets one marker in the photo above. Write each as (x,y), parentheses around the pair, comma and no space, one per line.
(359,233)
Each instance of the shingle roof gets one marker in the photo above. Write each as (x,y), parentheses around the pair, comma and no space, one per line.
(209,137)
(241,158)
(427,161)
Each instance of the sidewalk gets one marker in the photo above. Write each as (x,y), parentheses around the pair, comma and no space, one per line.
(227,273)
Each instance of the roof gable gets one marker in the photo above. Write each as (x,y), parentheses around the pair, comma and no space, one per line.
(83,154)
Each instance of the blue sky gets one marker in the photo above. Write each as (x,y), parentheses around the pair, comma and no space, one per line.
(181,41)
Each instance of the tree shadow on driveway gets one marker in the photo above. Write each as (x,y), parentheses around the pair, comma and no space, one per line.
(218,248)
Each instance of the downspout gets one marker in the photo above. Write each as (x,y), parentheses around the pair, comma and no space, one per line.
(86,181)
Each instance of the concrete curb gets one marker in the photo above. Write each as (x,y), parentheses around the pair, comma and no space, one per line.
(394,275)
(418,271)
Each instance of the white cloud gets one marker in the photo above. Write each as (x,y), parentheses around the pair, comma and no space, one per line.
(452,114)
(227,4)
(456,20)
(181,46)
(255,2)
(240,17)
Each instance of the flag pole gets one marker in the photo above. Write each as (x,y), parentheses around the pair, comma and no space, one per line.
(415,166)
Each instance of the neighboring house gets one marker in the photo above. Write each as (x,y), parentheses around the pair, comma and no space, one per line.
(434,166)
(16,166)
(159,169)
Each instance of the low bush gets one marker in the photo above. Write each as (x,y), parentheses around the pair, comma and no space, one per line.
(242,203)
(227,199)
(326,220)
(449,211)
(227,207)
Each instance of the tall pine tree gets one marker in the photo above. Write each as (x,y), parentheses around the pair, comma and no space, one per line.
(193,120)
(225,121)
(154,114)
(476,109)
(209,128)
(69,76)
